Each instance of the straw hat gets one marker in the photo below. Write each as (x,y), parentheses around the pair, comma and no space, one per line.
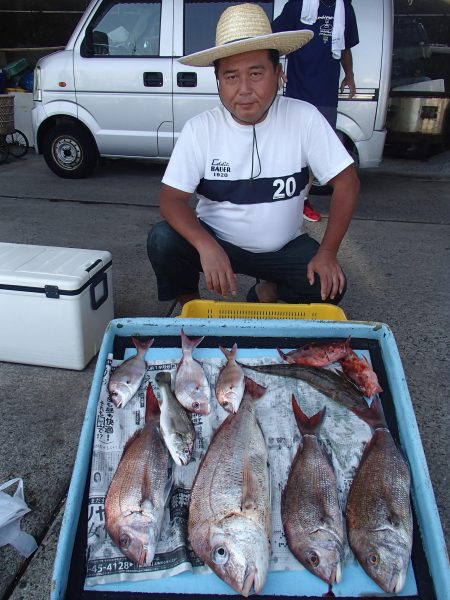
(243,28)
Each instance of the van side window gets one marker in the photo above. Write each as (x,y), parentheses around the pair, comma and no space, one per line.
(200,20)
(123,28)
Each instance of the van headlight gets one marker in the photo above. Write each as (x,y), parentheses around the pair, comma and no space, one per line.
(37,90)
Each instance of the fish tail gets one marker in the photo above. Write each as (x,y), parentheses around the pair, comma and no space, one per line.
(255,390)
(307,425)
(152,409)
(282,354)
(373,415)
(190,343)
(142,344)
(229,354)
(163,377)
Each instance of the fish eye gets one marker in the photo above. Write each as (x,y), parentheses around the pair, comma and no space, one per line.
(313,559)
(196,405)
(220,555)
(373,559)
(124,540)
(114,393)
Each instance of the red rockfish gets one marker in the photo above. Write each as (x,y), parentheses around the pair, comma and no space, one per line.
(317,354)
(361,373)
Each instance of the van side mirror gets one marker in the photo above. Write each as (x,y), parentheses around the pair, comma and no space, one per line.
(95,43)
(86,48)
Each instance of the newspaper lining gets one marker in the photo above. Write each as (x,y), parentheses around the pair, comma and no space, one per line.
(342,434)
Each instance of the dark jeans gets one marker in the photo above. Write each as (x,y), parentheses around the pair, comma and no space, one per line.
(177,265)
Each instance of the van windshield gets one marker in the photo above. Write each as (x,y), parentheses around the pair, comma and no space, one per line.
(200,20)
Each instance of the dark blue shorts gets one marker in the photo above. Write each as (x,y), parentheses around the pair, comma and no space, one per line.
(177,265)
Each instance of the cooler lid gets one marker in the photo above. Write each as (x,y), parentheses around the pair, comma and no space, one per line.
(31,266)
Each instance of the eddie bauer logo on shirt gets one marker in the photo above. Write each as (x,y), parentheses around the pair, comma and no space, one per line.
(220,168)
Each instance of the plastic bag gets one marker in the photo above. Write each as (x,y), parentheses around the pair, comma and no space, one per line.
(12,509)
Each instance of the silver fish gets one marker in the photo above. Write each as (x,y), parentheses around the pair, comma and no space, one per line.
(125,381)
(310,512)
(134,504)
(176,425)
(230,383)
(230,513)
(191,385)
(379,519)
(331,383)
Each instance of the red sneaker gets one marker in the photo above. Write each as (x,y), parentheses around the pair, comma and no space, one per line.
(309,213)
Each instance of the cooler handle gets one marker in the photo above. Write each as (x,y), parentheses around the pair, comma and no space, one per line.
(97,280)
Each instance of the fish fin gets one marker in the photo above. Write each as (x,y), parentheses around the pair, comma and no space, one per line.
(248,493)
(347,343)
(142,344)
(307,425)
(283,356)
(190,343)
(129,441)
(163,377)
(152,409)
(255,390)
(373,415)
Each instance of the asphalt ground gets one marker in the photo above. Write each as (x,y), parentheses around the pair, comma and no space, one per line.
(395,255)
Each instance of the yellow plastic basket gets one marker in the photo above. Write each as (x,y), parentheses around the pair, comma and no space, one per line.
(212,309)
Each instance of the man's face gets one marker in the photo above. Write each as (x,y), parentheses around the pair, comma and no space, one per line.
(248,83)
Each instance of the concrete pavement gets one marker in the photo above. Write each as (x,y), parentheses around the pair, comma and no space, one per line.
(396,257)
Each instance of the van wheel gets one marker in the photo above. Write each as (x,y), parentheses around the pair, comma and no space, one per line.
(69,151)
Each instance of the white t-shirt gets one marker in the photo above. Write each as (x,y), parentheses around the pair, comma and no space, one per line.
(215,155)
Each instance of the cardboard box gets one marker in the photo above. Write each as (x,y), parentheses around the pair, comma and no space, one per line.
(429,573)
(55,304)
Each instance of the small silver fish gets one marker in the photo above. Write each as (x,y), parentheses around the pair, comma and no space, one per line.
(135,501)
(125,381)
(310,512)
(191,385)
(230,383)
(176,425)
(379,518)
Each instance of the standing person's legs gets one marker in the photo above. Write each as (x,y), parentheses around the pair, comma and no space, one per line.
(330,114)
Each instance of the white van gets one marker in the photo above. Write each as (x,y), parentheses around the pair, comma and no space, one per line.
(118,91)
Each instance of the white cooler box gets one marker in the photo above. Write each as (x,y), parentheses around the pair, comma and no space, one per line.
(55,304)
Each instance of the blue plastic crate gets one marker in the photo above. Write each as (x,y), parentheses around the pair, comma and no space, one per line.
(435,563)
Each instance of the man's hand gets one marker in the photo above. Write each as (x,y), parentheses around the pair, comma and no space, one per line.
(326,266)
(349,82)
(219,275)
(175,209)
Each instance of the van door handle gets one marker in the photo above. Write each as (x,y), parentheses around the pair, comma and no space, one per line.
(187,79)
(153,79)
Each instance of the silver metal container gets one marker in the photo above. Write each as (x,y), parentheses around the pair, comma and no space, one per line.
(423,113)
